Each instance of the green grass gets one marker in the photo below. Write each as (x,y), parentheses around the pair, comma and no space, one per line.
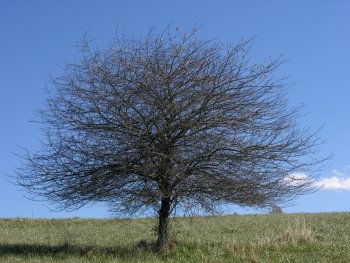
(251,238)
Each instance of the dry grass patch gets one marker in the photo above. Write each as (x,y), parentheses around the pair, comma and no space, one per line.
(243,253)
(296,232)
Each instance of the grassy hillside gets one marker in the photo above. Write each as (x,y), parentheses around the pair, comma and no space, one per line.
(261,238)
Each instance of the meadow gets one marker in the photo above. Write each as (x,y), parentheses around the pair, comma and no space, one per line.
(238,238)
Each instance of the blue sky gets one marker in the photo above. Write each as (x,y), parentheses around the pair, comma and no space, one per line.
(37,37)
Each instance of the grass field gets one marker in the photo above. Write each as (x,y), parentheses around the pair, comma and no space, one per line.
(249,238)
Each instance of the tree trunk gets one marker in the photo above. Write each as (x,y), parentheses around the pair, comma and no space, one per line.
(163,241)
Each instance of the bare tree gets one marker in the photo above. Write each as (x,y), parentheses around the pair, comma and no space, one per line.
(167,121)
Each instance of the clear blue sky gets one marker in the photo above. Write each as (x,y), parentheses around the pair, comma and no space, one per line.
(36,37)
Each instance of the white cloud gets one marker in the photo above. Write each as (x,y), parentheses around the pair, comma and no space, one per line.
(339,180)
(334,183)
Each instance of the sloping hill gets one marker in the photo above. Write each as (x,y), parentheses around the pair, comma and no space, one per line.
(249,238)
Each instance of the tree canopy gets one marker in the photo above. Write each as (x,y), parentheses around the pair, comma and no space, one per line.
(169,121)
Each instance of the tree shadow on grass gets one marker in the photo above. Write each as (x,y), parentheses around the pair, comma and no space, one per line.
(76,250)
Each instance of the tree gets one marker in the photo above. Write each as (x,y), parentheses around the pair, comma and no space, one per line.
(275,209)
(169,121)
